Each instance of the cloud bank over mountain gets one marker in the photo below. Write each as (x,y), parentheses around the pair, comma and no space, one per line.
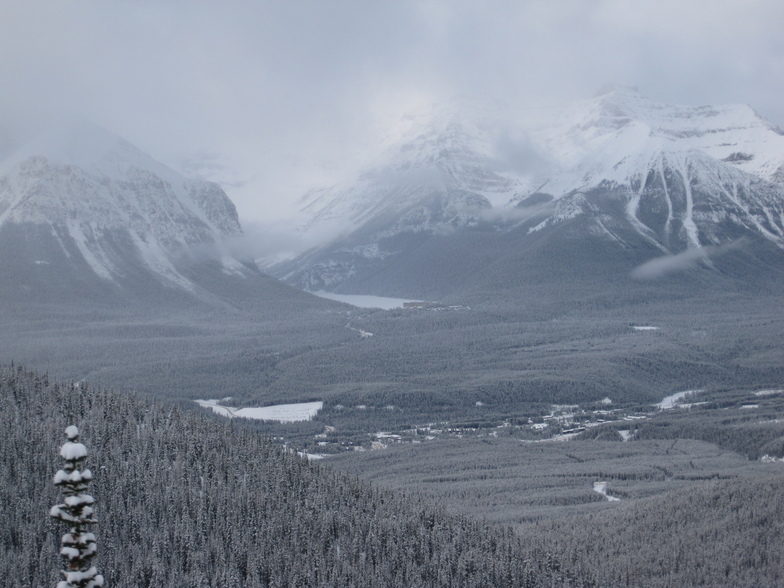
(271,99)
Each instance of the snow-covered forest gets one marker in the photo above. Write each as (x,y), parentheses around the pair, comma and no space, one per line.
(191,501)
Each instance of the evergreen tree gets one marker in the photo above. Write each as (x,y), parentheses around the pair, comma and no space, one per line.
(78,545)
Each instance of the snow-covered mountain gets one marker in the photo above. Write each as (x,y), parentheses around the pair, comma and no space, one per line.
(619,168)
(440,173)
(685,175)
(619,121)
(82,208)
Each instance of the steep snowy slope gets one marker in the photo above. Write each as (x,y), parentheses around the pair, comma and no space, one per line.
(444,173)
(84,214)
(687,177)
(619,121)
(441,173)
(645,178)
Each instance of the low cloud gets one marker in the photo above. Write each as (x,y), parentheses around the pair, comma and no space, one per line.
(518,153)
(294,95)
(515,214)
(686,260)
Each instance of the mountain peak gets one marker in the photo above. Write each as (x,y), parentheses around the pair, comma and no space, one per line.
(79,142)
(79,194)
(620,122)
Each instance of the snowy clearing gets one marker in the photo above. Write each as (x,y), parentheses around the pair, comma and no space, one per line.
(284,413)
(601,488)
(363,334)
(768,392)
(311,456)
(771,459)
(365,301)
(673,399)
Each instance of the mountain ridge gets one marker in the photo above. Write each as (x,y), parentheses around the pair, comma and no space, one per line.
(82,208)
(679,177)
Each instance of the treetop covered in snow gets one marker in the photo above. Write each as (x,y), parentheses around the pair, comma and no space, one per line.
(76,511)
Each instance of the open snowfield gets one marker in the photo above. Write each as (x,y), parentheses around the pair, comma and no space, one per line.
(365,301)
(601,488)
(284,413)
(673,399)
(768,392)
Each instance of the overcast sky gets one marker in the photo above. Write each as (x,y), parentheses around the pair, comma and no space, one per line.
(287,94)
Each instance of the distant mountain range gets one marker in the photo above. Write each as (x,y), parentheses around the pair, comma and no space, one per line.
(469,204)
(471,201)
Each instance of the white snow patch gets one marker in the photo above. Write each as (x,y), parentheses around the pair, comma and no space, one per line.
(606,401)
(601,488)
(673,399)
(750,406)
(363,334)
(768,392)
(691,404)
(770,459)
(625,434)
(71,451)
(284,413)
(645,328)
(311,456)
(98,262)
(365,301)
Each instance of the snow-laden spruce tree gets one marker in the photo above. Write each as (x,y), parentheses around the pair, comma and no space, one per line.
(78,545)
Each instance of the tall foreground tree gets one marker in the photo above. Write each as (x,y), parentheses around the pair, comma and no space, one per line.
(78,545)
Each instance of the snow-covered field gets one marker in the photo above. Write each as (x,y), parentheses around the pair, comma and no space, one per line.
(673,399)
(365,301)
(768,392)
(284,413)
(601,488)
(363,334)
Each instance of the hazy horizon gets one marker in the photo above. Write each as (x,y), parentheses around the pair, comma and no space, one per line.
(271,99)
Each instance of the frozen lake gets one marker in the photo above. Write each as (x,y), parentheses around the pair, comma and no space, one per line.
(284,413)
(672,400)
(365,301)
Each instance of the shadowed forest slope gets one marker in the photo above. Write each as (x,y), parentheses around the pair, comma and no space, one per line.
(190,501)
